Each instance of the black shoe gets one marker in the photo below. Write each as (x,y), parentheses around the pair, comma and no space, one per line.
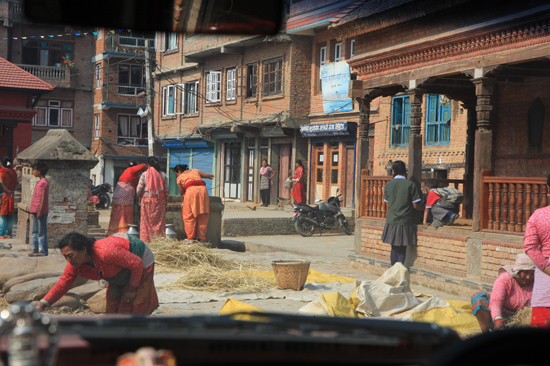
(452,219)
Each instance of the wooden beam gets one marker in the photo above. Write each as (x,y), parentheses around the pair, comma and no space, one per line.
(531,53)
(232,50)
(193,59)
(356,89)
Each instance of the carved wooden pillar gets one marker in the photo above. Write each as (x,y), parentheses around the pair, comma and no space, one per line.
(362,147)
(483,141)
(415,139)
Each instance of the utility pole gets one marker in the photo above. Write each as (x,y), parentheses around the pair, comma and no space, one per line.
(149,95)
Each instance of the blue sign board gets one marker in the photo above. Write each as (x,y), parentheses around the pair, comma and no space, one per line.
(325,129)
(335,78)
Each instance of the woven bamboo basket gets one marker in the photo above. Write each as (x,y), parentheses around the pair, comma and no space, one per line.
(291,274)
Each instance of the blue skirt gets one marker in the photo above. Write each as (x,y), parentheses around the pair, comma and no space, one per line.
(399,235)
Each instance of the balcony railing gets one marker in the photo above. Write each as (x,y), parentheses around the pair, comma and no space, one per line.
(45,72)
(372,194)
(123,95)
(61,76)
(508,202)
(129,90)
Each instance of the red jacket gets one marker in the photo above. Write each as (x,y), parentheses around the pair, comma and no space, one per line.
(131,174)
(110,256)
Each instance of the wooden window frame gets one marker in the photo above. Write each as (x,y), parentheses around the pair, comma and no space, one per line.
(272,77)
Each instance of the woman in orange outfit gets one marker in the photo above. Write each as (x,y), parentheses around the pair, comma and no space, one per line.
(195,208)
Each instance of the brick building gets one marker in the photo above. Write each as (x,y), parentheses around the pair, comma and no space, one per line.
(59,55)
(332,128)
(487,73)
(224,103)
(332,151)
(18,89)
(119,133)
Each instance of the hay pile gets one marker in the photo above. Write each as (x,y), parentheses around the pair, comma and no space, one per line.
(203,269)
(210,278)
(521,319)
(174,254)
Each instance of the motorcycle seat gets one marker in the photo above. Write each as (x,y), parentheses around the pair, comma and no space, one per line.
(305,208)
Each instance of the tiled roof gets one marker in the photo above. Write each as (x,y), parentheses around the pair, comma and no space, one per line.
(15,77)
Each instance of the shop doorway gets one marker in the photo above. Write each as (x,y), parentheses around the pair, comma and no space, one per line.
(334,154)
(232,170)
(281,159)
(349,180)
(319,159)
(250,173)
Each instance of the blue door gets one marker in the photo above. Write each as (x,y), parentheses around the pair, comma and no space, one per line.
(177,156)
(203,160)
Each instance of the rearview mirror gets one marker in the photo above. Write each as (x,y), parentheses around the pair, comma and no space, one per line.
(189,16)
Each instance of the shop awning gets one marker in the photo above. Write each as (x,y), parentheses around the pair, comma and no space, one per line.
(328,129)
(187,143)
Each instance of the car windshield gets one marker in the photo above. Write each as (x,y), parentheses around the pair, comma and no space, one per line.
(357,177)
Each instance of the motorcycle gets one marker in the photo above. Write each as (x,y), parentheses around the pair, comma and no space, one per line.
(102,191)
(307,218)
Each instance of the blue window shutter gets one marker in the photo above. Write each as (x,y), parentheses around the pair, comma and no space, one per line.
(203,160)
(401,121)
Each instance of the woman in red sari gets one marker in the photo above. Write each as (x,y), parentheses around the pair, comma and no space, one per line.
(124,261)
(299,185)
(8,180)
(122,213)
(153,191)
(195,208)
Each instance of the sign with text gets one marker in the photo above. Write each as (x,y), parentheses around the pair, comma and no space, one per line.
(324,129)
(335,78)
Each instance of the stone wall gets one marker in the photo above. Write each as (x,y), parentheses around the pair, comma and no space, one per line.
(450,259)
(173,216)
(68,209)
(270,226)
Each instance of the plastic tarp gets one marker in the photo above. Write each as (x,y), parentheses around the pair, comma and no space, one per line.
(331,304)
(237,307)
(312,276)
(453,314)
(390,294)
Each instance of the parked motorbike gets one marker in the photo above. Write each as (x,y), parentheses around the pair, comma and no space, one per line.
(102,191)
(324,216)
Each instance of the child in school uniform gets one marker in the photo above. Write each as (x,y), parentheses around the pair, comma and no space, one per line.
(438,213)
(39,211)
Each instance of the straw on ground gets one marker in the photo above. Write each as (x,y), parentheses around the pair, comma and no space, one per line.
(204,270)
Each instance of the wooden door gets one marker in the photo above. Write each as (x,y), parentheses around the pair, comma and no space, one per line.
(232,173)
(284,169)
(333,163)
(319,171)
(350,179)
(250,166)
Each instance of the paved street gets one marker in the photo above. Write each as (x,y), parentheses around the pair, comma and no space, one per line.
(328,253)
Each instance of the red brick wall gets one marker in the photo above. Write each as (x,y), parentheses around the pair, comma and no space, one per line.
(454,153)
(441,260)
(179,123)
(107,143)
(495,255)
(512,156)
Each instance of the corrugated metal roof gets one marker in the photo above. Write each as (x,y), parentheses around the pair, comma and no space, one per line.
(314,17)
(12,76)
